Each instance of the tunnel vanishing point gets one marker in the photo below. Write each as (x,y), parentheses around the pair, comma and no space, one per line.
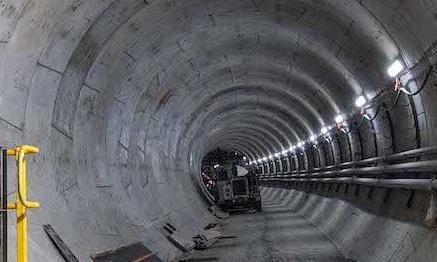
(332,102)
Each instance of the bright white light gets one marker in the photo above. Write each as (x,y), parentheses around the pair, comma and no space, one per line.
(324,130)
(339,119)
(216,165)
(313,138)
(271,156)
(259,160)
(300,144)
(360,101)
(291,148)
(284,152)
(264,159)
(277,155)
(395,68)
(244,158)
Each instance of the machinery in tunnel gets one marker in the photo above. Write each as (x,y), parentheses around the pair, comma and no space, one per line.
(233,187)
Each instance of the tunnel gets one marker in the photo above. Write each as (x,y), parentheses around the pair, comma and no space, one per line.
(332,102)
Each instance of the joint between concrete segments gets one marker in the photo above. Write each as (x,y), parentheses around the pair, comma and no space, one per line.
(49,68)
(118,100)
(62,132)
(9,123)
(92,88)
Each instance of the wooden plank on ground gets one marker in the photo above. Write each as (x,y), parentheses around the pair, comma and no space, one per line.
(59,244)
(136,252)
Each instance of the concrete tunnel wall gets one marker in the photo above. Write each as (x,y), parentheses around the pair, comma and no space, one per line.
(124,98)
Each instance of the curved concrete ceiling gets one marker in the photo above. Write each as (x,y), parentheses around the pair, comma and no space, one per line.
(124,98)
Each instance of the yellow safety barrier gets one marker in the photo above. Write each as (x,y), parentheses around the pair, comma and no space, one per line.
(21,195)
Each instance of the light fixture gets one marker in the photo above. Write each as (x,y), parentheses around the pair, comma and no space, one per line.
(339,119)
(291,149)
(324,130)
(284,152)
(259,160)
(271,156)
(360,101)
(395,68)
(264,159)
(300,144)
(313,138)
(277,155)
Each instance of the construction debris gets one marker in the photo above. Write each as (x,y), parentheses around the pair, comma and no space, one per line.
(59,244)
(215,210)
(206,239)
(176,239)
(200,259)
(136,252)
(209,235)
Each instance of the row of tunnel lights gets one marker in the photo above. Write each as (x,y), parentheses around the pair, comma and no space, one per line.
(360,102)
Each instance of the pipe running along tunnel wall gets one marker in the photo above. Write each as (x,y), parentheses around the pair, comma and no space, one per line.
(124,98)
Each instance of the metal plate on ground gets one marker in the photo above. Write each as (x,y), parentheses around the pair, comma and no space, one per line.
(133,253)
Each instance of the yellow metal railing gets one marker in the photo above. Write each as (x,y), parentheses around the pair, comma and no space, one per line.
(21,195)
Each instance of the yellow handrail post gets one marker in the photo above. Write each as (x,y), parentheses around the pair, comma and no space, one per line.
(21,195)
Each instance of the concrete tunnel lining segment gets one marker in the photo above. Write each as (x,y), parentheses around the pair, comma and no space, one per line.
(83,80)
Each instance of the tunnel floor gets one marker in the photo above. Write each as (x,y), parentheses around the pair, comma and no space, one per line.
(276,234)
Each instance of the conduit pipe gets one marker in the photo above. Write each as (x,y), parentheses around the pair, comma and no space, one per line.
(429,166)
(406,155)
(409,184)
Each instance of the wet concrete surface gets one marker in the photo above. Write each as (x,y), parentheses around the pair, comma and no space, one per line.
(275,234)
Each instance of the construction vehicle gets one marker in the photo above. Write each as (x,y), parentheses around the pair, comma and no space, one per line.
(236,188)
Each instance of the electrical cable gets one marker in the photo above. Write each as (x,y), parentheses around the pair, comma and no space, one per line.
(361,123)
(422,86)
(391,107)
(376,114)
(387,109)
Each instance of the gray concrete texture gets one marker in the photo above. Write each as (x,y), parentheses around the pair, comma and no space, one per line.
(297,226)
(125,97)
